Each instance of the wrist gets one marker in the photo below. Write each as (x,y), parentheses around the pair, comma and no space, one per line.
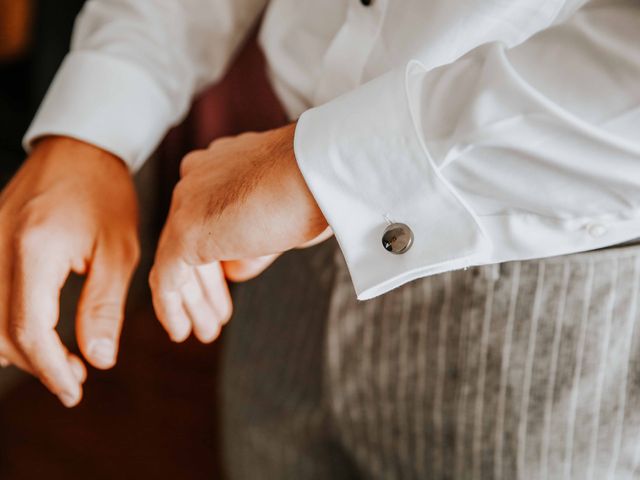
(316,222)
(59,148)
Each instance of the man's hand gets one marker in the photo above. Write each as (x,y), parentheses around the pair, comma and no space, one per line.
(71,207)
(239,204)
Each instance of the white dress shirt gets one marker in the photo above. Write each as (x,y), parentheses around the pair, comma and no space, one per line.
(495,129)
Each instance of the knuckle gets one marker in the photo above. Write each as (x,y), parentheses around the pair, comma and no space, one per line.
(186,232)
(52,378)
(183,232)
(191,249)
(193,240)
(22,336)
(132,253)
(157,282)
(180,194)
(206,249)
(227,312)
(189,161)
(153,279)
(181,220)
(106,311)
(31,233)
(220,141)
(196,246)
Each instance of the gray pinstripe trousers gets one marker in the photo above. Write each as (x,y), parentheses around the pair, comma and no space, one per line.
(525,370)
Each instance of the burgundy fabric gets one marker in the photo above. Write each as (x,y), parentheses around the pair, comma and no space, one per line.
(243,101)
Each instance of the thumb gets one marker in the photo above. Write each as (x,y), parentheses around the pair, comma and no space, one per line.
(101,306)
(324,235)
(243,270)
(248,268)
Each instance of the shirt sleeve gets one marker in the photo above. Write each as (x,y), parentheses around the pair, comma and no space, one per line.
(134,67)
(504,154)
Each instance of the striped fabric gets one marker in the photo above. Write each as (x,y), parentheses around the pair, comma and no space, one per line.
(525,370)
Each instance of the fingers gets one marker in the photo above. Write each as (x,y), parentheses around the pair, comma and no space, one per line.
(188,297)
(243,270)
(77,367)
(200,311)
(38,277)
(9,353)
(207,301)
(202,303)
(324,235)
(169,274)
(166,279)
(213,284)
(101,306)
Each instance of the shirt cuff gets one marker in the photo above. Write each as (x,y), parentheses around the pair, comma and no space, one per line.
(107,102)
(366,166)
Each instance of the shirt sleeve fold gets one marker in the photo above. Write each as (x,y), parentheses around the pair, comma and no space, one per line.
(367,166)
(107,102)
(134,68)
(504,154)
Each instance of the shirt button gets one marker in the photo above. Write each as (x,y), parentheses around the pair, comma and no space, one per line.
(366,3)
(596,229)
(397,238)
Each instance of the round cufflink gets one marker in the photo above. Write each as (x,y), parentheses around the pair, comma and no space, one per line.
(397,238)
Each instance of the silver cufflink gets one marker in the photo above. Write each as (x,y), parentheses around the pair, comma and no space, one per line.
(397,238)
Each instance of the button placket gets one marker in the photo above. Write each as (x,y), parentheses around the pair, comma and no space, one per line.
(347,56)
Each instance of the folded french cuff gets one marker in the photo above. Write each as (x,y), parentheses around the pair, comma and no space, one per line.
(366,166)
(107,102)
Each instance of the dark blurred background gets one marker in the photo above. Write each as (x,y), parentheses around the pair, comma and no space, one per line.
(154,414)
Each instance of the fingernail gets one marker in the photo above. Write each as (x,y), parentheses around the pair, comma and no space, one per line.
(67,399)
(102,352)
(4,363)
